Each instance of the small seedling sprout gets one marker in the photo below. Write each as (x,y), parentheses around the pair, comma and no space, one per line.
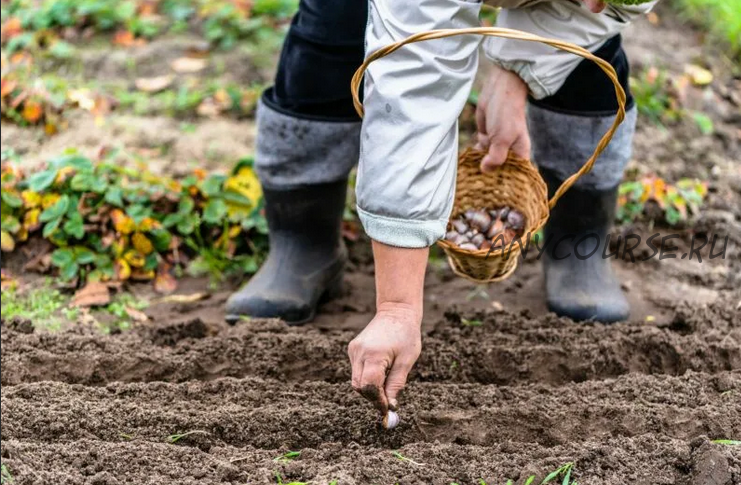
(174,438)
(728,442)
(401,457)
(279,478)
(286,457)
(471,323)
(5,475)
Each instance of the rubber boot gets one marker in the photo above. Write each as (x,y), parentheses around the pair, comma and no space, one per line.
(580,284)
(307,256)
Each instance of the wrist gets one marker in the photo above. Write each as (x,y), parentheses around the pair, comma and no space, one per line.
(409,313)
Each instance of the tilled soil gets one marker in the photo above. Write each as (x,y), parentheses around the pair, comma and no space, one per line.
(628,403)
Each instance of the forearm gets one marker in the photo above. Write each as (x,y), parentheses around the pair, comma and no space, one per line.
(409,138)
(545,68)
(400,275)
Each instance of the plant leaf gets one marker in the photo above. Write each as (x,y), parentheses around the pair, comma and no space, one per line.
(215,211)
(42,180)
(74,226)
(7,243)
(55,211)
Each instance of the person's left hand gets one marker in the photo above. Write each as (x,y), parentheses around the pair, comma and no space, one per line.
(500,116)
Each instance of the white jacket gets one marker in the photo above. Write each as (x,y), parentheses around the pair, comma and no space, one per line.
(413,97)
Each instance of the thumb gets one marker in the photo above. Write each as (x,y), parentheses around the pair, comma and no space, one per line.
(395,382)
(496,156)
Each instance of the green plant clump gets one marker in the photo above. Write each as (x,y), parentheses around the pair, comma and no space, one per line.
(109,222)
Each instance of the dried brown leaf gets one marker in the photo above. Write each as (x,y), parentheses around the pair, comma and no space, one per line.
(94,293)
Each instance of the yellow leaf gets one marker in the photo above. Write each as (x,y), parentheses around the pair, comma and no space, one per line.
(245,183)
(134,258)
(22,235)
(147,224)
(119,245)
(63,174)
(31,220)
(139,274)
(48,200)
(31,199)
(141,243)
(123,270)
(698,75)
(6,241)
(121,222)
(234,231)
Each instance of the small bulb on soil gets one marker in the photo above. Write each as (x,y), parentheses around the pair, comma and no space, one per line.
(390,420)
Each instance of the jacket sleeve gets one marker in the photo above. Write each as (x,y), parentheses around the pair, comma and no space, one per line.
(545,68)
(409,136)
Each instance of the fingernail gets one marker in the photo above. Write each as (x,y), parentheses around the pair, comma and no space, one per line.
(393,405)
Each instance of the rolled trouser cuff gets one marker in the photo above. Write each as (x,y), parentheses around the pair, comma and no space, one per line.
(562,143)
(402,233)
(293,152)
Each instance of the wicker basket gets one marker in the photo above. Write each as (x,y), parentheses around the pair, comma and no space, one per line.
(516,183)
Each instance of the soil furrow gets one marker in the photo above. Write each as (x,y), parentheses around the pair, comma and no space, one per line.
(270,414)
(642,460)
(505,349)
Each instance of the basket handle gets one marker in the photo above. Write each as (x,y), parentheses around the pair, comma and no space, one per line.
(519,35)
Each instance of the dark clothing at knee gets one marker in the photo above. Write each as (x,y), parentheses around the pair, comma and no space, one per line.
(588,91)
(324,47)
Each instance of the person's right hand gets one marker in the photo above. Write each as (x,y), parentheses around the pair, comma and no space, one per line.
(383,354)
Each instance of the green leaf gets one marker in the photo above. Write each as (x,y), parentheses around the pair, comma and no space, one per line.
(74,226)
(151,262)
(567,478)
(51,227)
(78,162)
(213,185)
(62,257)
(12,199)
(172,219)
(187,225)
(83,255)
(55,211)
(235,198)
(88,182)
(10,224)
(69,271)
(42,180)
(186,205)
(243,162)
(215,211)
(161,239)
(704,123)
(114,196)
(530,480)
